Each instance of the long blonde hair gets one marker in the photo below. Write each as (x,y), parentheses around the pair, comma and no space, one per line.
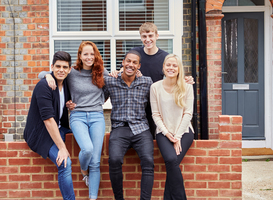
(179,89)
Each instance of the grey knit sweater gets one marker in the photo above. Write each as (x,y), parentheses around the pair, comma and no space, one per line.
(84,93)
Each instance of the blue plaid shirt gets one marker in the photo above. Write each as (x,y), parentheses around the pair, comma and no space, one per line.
(128,103)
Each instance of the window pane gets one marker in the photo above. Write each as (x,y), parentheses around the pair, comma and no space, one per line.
(243,3)
(230,51)
(71,46)
(79,15)
(251,50)
(134,13)
(123,46)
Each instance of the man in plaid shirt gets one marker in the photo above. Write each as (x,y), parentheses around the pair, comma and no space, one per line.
(129,96)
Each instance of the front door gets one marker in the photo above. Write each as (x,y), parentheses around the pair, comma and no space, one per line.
(243,71)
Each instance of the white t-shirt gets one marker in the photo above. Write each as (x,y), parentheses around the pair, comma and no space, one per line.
(61,93)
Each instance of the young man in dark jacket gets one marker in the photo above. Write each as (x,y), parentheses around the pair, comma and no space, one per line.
(47,122)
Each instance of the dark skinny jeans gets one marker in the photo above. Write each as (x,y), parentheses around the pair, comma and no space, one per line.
(174,185)
(120,141)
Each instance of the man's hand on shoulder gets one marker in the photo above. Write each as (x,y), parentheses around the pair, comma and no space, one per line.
(115,73)
(51,82)
(138,73)
(189,80)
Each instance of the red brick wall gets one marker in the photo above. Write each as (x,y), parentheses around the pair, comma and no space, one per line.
(31,55)
(214,5)
(212,169)
(214,63)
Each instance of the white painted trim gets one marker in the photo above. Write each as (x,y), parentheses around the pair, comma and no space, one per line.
(171,16)
(110,16)
(270,60)
(115,16)
(134,33)
(253,144)
(243,9)
(113,54)
(90,37)
(51,51)
(178,27)
(268,76)
(82,34)
(51,41)
(52,15)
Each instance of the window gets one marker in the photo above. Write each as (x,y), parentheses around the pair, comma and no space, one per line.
(81,15)
(132,5)
(113,26)
(122,46)
(132,14)
(71,46)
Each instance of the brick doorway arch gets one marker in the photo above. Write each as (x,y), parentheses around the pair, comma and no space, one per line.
(218,4)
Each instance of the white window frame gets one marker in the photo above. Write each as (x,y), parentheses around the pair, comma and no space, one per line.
(112,33)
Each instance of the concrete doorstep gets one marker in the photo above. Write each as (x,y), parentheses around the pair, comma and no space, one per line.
(257,177)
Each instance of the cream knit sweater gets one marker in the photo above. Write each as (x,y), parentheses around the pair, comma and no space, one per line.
(168,117)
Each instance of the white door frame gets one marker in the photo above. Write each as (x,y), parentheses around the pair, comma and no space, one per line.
(268,72)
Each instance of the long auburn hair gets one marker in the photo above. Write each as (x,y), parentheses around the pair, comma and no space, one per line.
(97,68)
(179,89)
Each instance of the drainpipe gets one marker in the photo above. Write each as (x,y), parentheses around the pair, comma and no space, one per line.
(203,68)
(10,137)
(193,58)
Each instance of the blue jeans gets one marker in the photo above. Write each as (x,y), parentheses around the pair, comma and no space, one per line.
(120,141)
(88,129)
(64,174)
(174,185)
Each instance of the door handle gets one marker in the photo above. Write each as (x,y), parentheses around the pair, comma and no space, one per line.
(224,72)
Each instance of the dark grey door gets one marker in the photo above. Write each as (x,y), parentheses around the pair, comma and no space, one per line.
(243,70)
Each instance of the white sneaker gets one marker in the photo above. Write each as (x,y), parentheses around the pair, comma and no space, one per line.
(86,180)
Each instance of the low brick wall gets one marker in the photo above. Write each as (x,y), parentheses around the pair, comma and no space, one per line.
(212,169)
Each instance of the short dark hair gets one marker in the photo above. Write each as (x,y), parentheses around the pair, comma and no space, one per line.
(133,52)
(63,56)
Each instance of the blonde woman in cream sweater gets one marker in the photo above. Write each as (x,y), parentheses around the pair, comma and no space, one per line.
(172,108)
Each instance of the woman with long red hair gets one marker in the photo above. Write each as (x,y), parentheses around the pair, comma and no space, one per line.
(87,120)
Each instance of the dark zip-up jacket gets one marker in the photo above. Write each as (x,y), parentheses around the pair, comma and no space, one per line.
(45,104)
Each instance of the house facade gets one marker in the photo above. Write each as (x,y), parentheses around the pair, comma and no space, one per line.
(238,52)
